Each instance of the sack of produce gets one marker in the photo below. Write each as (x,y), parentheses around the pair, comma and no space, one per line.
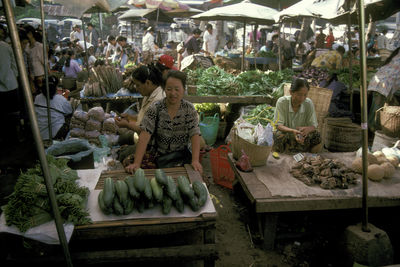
(73,149)
(96,113)
(109,126)
(92,134)
(81,115)
(77,132)
(93,125)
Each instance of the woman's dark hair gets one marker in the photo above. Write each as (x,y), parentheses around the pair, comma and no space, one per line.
(180,75)
(53,82)
(341,49)
(70,53)
(149,72)
(161,67)
(299,83)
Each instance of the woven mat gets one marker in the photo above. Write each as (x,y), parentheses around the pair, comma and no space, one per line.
(276,177)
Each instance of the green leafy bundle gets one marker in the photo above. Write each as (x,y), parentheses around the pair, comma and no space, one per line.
(262,114)
(29,206)
(216,81)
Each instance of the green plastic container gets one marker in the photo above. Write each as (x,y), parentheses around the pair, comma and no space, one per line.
(209,128)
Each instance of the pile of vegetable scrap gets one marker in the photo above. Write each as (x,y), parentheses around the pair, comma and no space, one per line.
(262,114)
(28,206)
(327,173)
(314,75)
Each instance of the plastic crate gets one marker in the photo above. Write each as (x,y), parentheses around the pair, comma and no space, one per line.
(221,169)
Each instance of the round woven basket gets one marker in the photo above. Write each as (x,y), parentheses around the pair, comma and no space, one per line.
(258,154)
(342,137)
(390,120)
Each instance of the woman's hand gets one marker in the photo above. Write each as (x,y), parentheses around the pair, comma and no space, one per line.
(197,166)
(121,122)
(131,168)
(306,130)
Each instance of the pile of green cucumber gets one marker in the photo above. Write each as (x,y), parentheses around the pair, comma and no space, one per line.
(123,196)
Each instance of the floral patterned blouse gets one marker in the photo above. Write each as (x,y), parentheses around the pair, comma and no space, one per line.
(386,80)
(171,134)
(330,60)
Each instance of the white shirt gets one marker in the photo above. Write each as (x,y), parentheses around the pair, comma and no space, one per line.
(91,60)
(210,41)
(176,36)
(382,42)
(112,49)
(57,119)
(8,68)
(35,59)
(148,43)
(78,35)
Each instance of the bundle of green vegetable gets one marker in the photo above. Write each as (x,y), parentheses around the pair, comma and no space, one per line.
(215,81)
(29,206)
(344,76)
(122,197)
(255,82)
(262,114)
(266,54)
(209,109)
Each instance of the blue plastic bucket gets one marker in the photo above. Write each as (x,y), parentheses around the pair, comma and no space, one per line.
(209,128)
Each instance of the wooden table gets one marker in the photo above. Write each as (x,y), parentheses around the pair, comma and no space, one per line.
(149,242)
(268,207)
(172,239)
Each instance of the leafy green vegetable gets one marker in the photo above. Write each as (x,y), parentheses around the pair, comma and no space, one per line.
(209,109)
(266,54)
(262,114)
(215,81)
(28,205)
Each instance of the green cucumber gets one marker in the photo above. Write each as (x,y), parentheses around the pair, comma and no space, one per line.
(184,187)
(161,177)
(194,203)
(109,192)
(157,190)
(102,206)
(118,209)
(121,188)
(201,192)
(140,180)
(178,203)
(147,190)
(166,205)
(130,181)
(172,189)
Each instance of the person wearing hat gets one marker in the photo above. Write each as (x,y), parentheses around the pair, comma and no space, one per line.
(175,35)
(148,46)
(165,63)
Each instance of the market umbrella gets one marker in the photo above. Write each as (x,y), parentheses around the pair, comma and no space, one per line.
(245,12)
(150,14)
(183,13)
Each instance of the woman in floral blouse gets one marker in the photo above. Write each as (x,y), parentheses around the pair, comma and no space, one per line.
(173,123)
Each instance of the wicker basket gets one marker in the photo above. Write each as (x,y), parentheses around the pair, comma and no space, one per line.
(342,136)
(258,154)
(390,120)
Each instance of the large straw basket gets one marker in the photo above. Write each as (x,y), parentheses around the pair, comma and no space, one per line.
(390,120)
(342,136)
(258,154)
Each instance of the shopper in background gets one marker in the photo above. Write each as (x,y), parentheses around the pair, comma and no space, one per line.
(209,40)
(320,39)
(60,110)
(330,39)
(148,46)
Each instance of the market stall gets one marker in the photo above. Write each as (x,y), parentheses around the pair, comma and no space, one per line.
(186,235)
(273,190)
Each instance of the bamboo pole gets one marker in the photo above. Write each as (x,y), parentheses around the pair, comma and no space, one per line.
(243,45)
(46,74)
(364,115)
(350,58)
(35,128)
(84,45)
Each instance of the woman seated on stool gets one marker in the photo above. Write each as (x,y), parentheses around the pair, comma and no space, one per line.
(296,121)
(173,123)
